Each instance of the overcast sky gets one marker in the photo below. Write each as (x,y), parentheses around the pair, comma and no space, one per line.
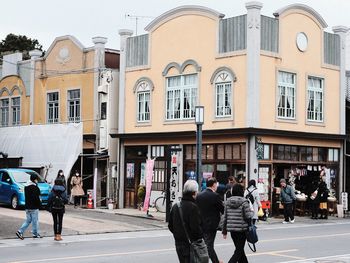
(47,19)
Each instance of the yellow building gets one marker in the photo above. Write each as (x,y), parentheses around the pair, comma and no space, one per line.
(271,87)
(70,86)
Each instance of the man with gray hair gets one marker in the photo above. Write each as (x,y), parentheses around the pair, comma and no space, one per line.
(192,221)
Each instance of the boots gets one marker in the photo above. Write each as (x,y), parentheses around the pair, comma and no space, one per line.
(56,238)
(59,237)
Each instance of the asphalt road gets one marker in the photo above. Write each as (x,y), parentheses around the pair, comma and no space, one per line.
(324,241)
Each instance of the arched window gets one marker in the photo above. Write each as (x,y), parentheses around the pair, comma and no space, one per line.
(223,94)
(143,93)
(10,106)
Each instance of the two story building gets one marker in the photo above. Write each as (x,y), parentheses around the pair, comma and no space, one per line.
(57,112)
(273,91)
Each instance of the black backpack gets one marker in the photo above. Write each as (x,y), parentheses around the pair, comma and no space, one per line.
(57,202)
(250,197)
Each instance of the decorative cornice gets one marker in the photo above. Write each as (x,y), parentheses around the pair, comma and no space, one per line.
(15,87)
(231,132)
(67,37)
(171,65)
(181,68)
(3,90)
(150,83)
(226,69)
(254,5)
(125,32)
(178,11)
(340,29)
(305,8)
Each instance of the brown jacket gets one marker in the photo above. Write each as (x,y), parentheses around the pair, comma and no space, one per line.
(77,186)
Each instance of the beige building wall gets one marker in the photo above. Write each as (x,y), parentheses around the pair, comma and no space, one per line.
(64,74)
(289,60)
(197,41)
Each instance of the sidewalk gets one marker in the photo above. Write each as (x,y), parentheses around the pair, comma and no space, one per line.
(152,214)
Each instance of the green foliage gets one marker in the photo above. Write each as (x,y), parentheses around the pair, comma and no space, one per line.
(13,43)
(141,193)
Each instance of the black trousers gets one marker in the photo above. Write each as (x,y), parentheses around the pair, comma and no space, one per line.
(239,256)
(77,200)
(314,209)
(57,221)
(288,212)
(209,238)
(183,251)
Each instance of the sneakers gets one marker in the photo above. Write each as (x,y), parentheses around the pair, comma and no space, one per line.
(37,236)
(286,222)
(19,235)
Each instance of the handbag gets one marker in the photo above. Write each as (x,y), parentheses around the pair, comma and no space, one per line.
(198,248)
(251,234)
(314,194)
(260,212)
(252,237)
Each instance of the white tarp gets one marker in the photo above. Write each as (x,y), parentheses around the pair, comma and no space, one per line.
(53,145)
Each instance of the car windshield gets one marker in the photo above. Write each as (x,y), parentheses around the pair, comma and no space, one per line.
(23,177)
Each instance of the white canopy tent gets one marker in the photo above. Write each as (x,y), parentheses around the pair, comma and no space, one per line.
(53,145)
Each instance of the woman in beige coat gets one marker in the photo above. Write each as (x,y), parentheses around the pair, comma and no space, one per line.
(76,187)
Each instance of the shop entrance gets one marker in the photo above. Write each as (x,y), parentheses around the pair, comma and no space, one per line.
(135,156)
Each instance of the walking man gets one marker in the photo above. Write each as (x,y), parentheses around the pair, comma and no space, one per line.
(210,206)
(32,205)
(287,199)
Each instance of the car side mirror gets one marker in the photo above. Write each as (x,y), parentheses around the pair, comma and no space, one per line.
(8,180)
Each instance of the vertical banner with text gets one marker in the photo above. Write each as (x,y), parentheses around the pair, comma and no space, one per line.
(149,176)
(174,179)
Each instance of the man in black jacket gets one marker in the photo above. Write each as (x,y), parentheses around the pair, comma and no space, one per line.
(210,206)
(32,205)
(192,221)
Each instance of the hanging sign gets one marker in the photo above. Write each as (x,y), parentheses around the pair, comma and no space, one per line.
(174,179)
(344,200)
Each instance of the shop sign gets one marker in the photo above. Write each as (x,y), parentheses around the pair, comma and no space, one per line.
(130,170)
(143,176)
(174,179)
(344,200)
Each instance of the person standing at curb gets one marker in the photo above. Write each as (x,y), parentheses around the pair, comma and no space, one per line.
(32,205)
(210,206)
(60,176)
(57,199)
(287,199)
(77,188)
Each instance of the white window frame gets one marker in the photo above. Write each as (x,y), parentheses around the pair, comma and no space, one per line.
(56,108)
(313,114)
(143,95)
(286,94)
(15,111)
(5,114)
(177,94)
(75,117)
(223,98)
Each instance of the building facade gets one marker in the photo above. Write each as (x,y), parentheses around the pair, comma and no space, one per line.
(70,86)
(271,87)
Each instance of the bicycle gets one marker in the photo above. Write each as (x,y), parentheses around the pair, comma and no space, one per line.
(160,203)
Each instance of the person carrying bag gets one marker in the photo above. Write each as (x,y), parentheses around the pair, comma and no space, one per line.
(198,248)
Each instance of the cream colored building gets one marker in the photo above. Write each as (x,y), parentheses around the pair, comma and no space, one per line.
(272,88)
(74,86)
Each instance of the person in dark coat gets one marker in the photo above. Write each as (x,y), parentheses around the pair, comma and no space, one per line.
(60,176)
(211,206)
(57,208)
(314,200)
(287,198)
(192,220)
(32,206)
(323,190)
(237,214)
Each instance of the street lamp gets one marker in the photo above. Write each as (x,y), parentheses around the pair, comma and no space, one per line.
(199,119)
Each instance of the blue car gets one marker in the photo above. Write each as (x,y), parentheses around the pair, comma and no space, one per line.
(12,183)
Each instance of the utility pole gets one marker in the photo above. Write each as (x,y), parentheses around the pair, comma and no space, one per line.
(136,18)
